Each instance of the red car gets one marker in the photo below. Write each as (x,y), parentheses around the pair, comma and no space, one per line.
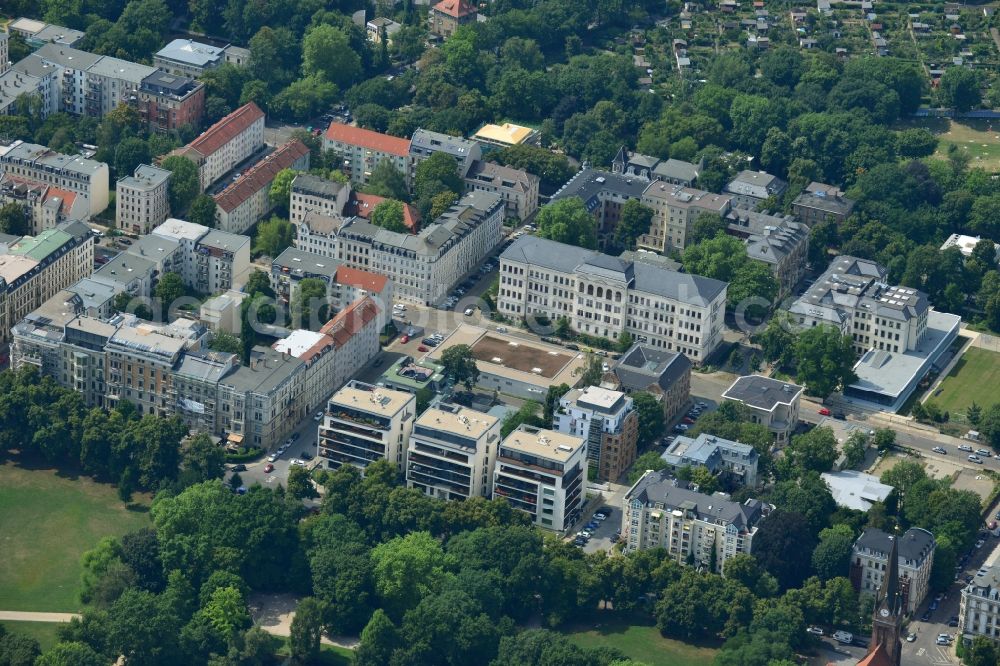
(404,339)
(688,420)
(422,348)
(823,411)
(268,468)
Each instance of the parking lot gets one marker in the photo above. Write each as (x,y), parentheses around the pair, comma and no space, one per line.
(603,532)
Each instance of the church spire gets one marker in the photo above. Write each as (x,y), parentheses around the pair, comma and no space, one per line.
(889,597)
(886,647)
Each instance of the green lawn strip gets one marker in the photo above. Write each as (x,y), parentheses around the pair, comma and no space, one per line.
(47,521)
(641,643)
(970,381)
(46,633)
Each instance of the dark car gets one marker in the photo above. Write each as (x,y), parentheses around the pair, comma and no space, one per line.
(430,342)
(295,436)
(573,347)
(839,415)
(238,468)
(926,616)
(305,455)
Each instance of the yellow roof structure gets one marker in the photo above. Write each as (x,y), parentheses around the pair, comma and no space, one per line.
(507,134)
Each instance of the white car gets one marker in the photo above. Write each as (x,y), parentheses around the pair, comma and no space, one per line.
(318,417)
(815,631)
(501,329)
(976,459)
(939,449)
(844,637)
(273,457)
(297,462)
(468,312)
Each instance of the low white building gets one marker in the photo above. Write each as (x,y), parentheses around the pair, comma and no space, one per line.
(966,244)
(856,490)
(83,177)
(543,473)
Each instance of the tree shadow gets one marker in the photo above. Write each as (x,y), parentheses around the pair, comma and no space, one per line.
(135,507)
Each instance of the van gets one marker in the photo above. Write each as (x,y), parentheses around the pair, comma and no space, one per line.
(844,637)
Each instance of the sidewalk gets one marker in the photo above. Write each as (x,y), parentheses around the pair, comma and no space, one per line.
(25,616)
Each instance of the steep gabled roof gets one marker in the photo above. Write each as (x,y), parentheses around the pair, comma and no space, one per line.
(455,8)
(357,136)
(260,175)
(222,132)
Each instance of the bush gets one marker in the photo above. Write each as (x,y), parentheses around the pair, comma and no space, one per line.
(251,454)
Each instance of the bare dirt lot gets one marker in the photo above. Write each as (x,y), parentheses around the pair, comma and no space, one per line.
(521,357)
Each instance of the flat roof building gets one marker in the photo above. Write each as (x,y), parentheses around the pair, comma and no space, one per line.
(452,452)
(772,403)
(364,423)
(507,134)
(607,420)
(720,456)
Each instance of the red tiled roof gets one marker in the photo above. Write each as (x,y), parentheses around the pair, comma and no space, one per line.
(222,132)
(455,8)
(877,657)
(355,277)
(362,205)
(67,197)
(357,136)
(350,320)
(260,175)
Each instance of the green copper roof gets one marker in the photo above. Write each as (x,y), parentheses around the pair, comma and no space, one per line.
(40,246)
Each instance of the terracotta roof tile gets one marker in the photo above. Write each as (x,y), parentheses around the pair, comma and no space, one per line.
(355,277)
(222,132)
(260,175)
(362,205)
(350,320)
(455,8)
(357,136)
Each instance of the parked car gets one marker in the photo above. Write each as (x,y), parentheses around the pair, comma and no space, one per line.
(839,415)
(976,459)
(404,339)
(965,447)
(941,640)
(681,427)
(979,544)
(573,347)
(844,637)
(297,462)
(702,405)
(926,616)
(430,342)
(271,458)
(305,455)
(933,606)
(318,416)
(983,452)
(953,622)
(422,348)
(295,436)
(939,449)
(815,631)
(910,638)
(268,468)
(238,468)
(823,411)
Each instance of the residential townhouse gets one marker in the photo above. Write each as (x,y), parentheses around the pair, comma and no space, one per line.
(364,423)
(664,374)
(452,452)
(517,187)
(675,210)
(424,266)
(35,268)
(45,206)
(750,188)
(318,354)
(609,424)
(603,195)
(211,261)
(979,608)
(425,143)
(733,461)
(85,178)
(777,241)
(773,404)
(870,557)
(168,102)
(543,473)
(226,144)
(247,200)
(362,150)
(4,52)
(141,200)
(259,404)
(447,16)
(820,202)
(17,87)
(607,296)
(706,529)
(313,194)
(676,172)
(38,33)
(355,333)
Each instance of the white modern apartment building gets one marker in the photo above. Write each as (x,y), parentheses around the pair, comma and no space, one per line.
(606,419)
(870,556)
(141,200)
(312,194)
(186,57)
(424,266)
(542,472)
(210,261)
(772,403)
(608,296)
(979,609)
(365,423)
(226,144)
(452,452)
(83,177)
(247,200)
(708,529)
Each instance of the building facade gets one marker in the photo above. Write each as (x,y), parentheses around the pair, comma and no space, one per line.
(609,424)
(312,194)
(209,261)
(777,241)
(365,423)
(979,609)
(186,57)
(517,187)
(141,200)
(227,143)
(772,403)
(820,202)
(85,178)
(45,206)
(362,150)
(915,551)
(675,210)
(665,375)
(247,200)
(735,461)
(167,102)
(543,473)
(606,296)
(446,16)
(452,452)
(708,529)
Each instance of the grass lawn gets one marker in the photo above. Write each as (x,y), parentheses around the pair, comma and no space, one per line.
(46,633)
(980,136)
(642,643)
(47,521)
(974,375)
(329,655)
